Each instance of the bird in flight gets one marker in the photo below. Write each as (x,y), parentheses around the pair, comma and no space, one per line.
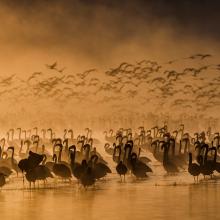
(171,62)
(61,70)
(52,66)
(199,56)
(205,56)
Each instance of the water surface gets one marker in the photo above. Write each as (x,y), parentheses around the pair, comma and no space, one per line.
(163,197)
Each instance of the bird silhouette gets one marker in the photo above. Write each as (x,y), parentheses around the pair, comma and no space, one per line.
(52,66)
(61,170)
(193,168)
(61,70)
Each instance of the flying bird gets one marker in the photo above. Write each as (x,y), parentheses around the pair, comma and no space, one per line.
(61,70)
(171,62)
(205,56)
(52,66)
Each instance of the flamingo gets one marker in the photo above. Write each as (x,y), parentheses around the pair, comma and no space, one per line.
(100,169)
(120,168)
(193,168)
(12,162)
(88,177)
(61,170)
(168,165)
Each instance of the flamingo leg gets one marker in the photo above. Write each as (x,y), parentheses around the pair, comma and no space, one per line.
(23,178)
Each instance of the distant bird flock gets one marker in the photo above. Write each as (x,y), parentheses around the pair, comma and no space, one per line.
(194,86)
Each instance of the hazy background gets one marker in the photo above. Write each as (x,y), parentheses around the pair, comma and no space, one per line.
(85,34)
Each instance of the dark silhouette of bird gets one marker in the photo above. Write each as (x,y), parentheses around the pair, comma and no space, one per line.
(204,56)
(24,165)
(207,166)
(216,164)
(12,162)
(191,57)
(34,159)
(61,70)
(52,66)
(75,167)
(42,171)
(120,168)
(171,62)
(100,170)
(61,170)
(168,165)
(139,169)
(193,168)
(88,177)
(34,75)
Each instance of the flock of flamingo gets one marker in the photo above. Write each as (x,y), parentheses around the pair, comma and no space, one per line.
(189,82)
(35,156)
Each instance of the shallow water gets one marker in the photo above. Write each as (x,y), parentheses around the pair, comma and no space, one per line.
(155,198)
